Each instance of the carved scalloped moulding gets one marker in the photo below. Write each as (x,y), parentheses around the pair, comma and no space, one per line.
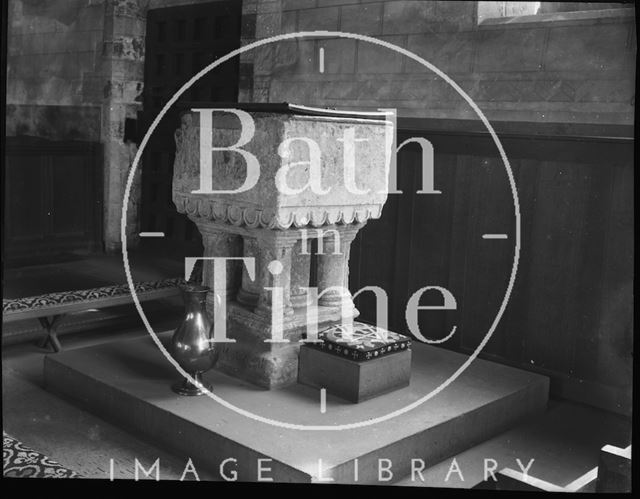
(254,217)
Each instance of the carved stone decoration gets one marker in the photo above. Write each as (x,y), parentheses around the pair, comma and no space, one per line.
(254,217)
(264,206)
(273,226)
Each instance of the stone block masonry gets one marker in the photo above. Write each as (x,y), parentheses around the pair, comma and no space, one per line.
(584,59)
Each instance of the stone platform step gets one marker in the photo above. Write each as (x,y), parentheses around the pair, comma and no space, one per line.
(129,382)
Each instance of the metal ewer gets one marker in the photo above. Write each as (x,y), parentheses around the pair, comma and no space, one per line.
(191,344)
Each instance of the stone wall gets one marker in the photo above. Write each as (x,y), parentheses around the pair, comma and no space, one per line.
(75,71)
(554,68)
(75,67)
(53,53)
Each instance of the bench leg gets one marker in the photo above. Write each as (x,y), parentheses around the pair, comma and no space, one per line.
(50,325)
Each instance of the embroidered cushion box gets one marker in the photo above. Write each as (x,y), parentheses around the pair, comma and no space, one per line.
(360,342)
(356,363)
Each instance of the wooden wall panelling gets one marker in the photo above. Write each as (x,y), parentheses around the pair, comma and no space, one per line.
(569,315)
(430,242)
(613,366)
(181,41)
(53,198)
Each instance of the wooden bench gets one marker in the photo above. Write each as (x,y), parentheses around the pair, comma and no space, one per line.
(50,309)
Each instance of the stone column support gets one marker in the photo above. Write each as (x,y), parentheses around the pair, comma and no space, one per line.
(250,289)
(333,268)
(300,272)
(274,256)
(219,243)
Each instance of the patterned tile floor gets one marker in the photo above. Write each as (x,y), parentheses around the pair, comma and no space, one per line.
(20,461)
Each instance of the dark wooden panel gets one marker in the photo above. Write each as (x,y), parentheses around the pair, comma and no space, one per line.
(371,248)
(430,244)
(486,262)
(181,41)
(25,216)
(70,181)
(614,360)
(570,313)
(53,198)
(555,243)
